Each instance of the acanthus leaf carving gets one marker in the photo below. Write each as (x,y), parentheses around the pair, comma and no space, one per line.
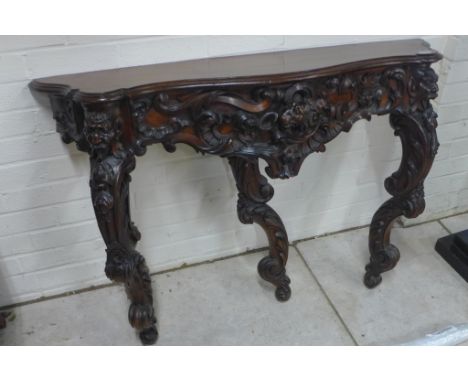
(276,118)
(282,124)
(415,124)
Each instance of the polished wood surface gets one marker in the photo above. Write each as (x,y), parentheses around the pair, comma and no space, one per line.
(279,107)
(266,68)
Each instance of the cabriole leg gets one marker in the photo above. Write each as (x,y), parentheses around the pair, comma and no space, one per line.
(419,140)
(109,190)
(254,193)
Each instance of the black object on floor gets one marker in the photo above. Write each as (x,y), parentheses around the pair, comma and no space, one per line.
(454,249)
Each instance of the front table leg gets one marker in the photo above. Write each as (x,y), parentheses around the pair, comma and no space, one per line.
(109,190)
(254,193)
(419,141)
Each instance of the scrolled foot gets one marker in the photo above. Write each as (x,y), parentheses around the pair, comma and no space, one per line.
(149,335)
(272,269)
(371,280)
(382,261)
(283,293)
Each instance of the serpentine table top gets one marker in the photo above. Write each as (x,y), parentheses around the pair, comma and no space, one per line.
(279,106)
(259,68)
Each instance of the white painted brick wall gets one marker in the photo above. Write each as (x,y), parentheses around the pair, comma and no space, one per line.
(184,203)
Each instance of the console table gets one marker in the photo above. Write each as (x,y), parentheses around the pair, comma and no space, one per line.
(276,106)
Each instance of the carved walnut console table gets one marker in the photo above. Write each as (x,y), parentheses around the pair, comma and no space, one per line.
(277,106)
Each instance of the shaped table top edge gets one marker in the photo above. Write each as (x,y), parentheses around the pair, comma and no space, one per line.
(65,84)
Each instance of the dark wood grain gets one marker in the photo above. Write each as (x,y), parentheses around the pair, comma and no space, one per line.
(279,107)
(254,193)
(264,68)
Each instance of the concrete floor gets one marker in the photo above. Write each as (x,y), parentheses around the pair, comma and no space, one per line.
(226,303)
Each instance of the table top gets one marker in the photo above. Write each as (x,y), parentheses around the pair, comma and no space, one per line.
(260,68)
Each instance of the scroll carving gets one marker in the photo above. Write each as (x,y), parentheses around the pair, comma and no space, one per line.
(68,117)
(110,194)
(281,124)
(416,126)
(280,121)
(254,193)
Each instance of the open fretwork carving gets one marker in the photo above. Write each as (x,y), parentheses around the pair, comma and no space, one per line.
(281,124)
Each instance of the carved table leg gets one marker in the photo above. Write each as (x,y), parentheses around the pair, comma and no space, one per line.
(419,141)
(110,190)
(254,193)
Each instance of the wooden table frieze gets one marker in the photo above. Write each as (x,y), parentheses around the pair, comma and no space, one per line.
(279,107)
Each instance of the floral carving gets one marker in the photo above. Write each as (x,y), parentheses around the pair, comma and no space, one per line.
(67,114)
(110,177)
(277,119)
(281,124)
(416,125)
(103,202)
